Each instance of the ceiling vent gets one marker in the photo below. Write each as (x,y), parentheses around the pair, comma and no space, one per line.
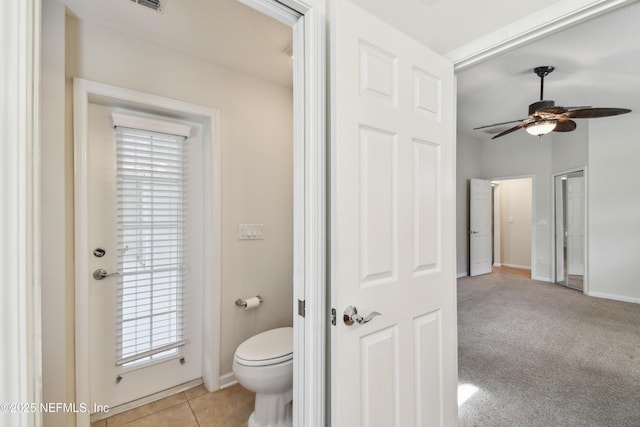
(151,4)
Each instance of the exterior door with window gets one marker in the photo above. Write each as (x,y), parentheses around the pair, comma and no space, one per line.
(394,362)
(145,328)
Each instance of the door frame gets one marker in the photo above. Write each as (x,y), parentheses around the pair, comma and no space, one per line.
(84,92)
(309,208)
(307,18)
(585,279)
(497,218)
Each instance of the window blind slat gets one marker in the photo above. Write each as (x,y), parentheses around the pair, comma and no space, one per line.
(151,215)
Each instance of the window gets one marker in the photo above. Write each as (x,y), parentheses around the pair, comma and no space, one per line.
(151,213)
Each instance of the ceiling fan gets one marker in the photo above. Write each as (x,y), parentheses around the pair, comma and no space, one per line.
(545,116)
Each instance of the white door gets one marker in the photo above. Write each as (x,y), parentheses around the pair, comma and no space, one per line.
(392,227)
(480,227)
(575,225)
(113,381)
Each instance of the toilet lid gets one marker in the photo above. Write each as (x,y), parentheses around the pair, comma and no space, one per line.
(267,348)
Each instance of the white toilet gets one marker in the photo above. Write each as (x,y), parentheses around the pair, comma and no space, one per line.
(264,364)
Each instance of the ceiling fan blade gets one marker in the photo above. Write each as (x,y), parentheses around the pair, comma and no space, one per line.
(565,125)
(513,129)
(592,113)
(497,124)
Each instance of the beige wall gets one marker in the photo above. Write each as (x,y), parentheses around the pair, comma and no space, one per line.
(515,223)
(256,163)
(56,221)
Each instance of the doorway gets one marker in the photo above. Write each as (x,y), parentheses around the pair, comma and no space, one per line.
(308,180)
(570,226)
(513,244)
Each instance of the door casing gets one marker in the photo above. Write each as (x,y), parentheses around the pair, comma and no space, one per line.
(84,92)
(497,218)
(585,279)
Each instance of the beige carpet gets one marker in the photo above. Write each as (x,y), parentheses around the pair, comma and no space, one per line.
(544,355)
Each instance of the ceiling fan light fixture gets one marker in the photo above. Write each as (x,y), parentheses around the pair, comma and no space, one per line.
(541,127)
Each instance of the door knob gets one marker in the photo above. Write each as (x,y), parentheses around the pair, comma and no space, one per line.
(100,274)
(351,316)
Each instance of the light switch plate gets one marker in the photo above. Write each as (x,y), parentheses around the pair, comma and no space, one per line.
(250,232)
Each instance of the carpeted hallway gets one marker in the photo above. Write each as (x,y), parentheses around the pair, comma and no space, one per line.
(543,355)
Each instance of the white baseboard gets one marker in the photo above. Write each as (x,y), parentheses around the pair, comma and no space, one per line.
(542,279)
(227,380)
(144,400)
(614,297)
(463,274)
(520,267)
(497,264)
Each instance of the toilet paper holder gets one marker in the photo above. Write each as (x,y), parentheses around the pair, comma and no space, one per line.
(243,303)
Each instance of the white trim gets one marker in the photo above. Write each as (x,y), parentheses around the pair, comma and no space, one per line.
(519,267)
(144,400)
(315,285)
(542,23)
(277,10)
(150,125)
(83,92)
(554,273)
(534,268)
(541,278)
(497,221)
(614,297)
(461,275)
(20,358)
(227,380)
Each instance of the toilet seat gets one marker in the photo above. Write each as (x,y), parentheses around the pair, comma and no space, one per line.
(267,348)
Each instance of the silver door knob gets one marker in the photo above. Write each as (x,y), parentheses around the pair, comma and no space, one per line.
(351,316)
(100,274)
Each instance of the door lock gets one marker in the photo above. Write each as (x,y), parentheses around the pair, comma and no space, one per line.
(99,252)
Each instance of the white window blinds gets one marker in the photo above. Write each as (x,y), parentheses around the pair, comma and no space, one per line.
(151,215)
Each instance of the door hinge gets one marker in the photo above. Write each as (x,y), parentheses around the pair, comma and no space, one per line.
(333,316)
(301,308)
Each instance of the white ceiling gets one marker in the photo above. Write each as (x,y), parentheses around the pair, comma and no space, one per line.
(223,32)
(597,64)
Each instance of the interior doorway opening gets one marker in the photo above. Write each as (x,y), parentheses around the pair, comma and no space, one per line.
(513,241)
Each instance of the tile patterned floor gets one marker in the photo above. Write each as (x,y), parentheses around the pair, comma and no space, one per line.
(195,407)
